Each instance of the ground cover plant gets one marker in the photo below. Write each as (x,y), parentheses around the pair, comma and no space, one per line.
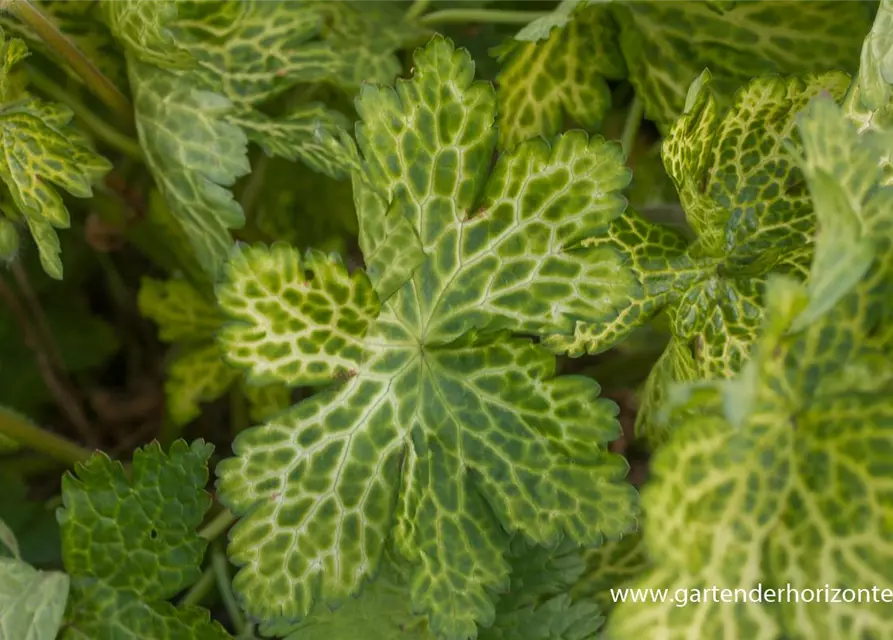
(445,320)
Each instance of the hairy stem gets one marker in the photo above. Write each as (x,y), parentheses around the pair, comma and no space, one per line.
(491,16)
(97,126)
(225,587)
(95,80)
(631,126)
(28,434)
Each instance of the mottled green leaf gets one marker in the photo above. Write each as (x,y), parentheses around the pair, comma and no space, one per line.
(130,543)
(542,82)
(295,136)
(143,29)
(444,432)
(195,120)
(31,602)
(194,154)
(41,152)
(781,476)
(666,45)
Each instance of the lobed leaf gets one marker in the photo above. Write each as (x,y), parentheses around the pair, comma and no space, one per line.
(41,151)
(447,434)
(130,544)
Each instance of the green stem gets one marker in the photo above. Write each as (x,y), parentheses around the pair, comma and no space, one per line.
(218,525)
(417,9)
(225,588)
(491,16)
(101,86)
(200,589)
(631,126)
(26,433)
(111,136)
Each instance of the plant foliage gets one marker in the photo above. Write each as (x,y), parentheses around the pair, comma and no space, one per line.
(327,320)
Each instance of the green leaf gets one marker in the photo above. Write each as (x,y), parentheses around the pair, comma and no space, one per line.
(195,110)
(42,152)
(447,433)
(31,602)
(842,171)
(542,82)
(744,197)
(131,544)
(194,154)
(143,29)
(667,45)
(780,476)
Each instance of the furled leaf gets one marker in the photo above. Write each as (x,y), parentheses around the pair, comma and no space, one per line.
(31,602)
(197,373)
(439,429)
(40,153)
(870,100)
(541,82)
(131,543)
(780,477)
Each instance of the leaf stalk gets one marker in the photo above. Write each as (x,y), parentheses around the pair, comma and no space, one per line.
(25,432)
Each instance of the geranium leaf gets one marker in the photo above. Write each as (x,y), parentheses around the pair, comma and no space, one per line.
(439,430)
